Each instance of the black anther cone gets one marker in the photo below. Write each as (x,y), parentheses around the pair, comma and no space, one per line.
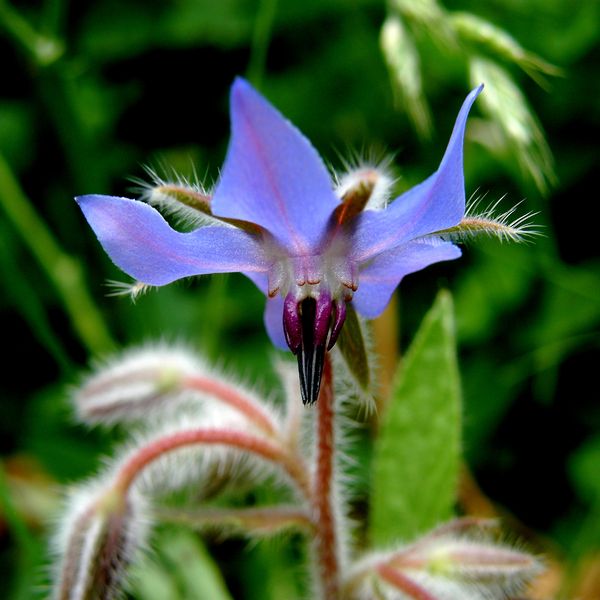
(311,358)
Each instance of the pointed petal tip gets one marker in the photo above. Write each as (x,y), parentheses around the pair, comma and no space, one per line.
(242,89)
(475,92)
(86,198)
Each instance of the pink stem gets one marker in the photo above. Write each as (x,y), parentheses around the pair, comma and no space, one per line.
(326,531)
(230,396)
(236,439)
(403,583)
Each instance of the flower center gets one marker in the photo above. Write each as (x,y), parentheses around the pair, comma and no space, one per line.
(316,289)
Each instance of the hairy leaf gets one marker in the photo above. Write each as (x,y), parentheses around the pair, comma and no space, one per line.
(417,454)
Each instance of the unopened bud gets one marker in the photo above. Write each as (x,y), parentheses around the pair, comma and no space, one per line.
(103,536)
(448,564)
(127,387)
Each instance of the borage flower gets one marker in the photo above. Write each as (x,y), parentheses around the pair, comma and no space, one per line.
(276,218)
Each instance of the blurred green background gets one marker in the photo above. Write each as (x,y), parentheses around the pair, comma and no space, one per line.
(92,92)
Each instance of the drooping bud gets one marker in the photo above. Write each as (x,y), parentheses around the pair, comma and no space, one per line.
(133,383)
(101,538)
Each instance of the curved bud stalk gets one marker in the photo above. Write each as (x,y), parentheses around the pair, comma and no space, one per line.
(173,459)
(103,533)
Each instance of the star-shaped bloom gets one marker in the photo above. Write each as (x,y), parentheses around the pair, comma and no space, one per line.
(276,218)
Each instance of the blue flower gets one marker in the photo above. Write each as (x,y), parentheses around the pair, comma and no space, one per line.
(281,223)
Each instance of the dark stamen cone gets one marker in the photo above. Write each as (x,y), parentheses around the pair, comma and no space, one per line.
(310,355)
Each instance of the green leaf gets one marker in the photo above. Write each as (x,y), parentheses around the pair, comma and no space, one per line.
(417,454)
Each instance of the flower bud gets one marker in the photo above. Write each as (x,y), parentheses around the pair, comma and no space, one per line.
(102,536)
(457,560)
(133,383)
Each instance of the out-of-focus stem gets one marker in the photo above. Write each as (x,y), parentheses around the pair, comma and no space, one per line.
(260,41)
(27,550)
(54,12)
(326,533)
(265,518)
(63,271)
(234,439)
(43,50)
(403,583)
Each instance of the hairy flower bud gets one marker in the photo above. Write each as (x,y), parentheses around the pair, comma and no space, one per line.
(133,383)
(457,560)
(102,534)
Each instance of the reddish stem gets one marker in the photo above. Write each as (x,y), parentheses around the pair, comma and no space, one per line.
(403,583)
(236,439)
(230,396)
(326,537)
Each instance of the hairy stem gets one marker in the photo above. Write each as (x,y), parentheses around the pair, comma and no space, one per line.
(235,439)
(403,583)
(230,396)
(326,533)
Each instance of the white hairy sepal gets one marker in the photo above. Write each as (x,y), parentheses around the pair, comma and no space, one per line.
(502,226)
(99,534)
(366,177)
(133,289)
(187,201)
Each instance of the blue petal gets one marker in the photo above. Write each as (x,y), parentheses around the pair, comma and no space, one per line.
(273,317)
(272,175)
(274,322)
(436,203)
(141,243)
(380,278)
